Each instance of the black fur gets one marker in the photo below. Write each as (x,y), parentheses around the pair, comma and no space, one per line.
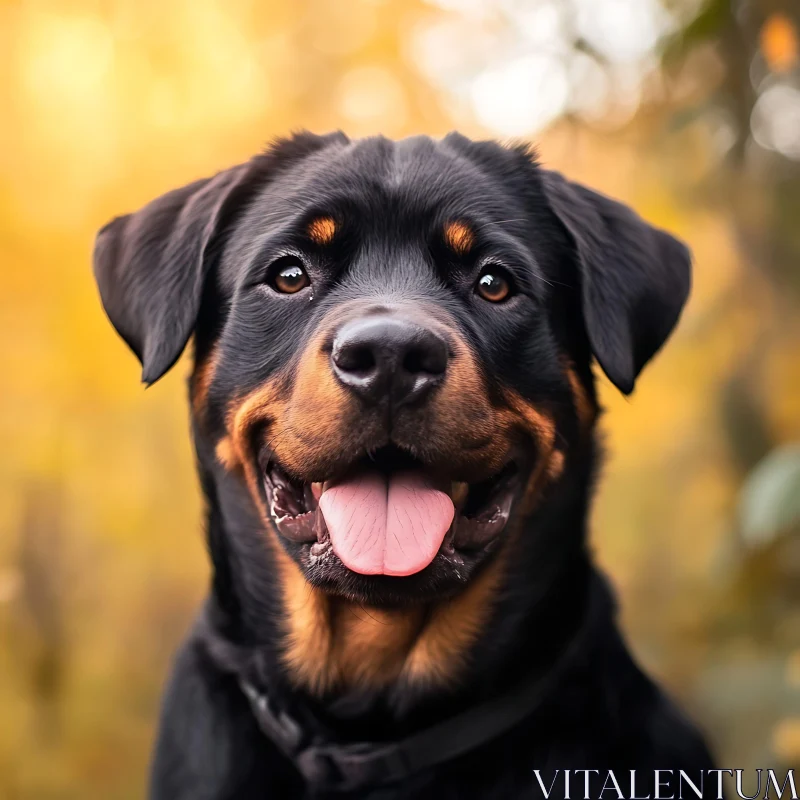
(593,280)
(634,278)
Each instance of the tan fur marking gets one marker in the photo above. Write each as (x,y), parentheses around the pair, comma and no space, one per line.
(331,642)
(459,237)
(555,467)
(315,396)
(440,652)
(462,426)
(542,425)
(322,230)
(225,453)
(261,404)
(372,644)
(308,632)
(543,428)
(202,378)
(583,406)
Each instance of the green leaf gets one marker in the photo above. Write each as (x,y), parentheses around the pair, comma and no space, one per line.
(769,503)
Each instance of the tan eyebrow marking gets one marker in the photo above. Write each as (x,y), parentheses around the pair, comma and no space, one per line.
(459,237)
(322,230)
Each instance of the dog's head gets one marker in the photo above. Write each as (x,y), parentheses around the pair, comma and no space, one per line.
(393,341)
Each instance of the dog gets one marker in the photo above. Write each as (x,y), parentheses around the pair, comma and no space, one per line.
(394,414)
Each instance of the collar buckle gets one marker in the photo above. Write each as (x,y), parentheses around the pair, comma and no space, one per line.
(278,725)
(352,766)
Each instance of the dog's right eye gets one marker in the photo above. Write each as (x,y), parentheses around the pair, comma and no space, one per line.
(288,276)
(494,284)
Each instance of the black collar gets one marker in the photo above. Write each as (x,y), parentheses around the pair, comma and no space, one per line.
(334,766)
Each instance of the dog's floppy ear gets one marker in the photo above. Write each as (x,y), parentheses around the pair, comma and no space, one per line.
(151,265)
(634,278)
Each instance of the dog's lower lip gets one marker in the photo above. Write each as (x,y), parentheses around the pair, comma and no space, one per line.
(295,511)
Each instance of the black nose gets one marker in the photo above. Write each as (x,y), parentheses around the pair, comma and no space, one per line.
(386,357)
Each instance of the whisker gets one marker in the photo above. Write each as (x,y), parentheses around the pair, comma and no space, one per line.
(500,222)
(374,619)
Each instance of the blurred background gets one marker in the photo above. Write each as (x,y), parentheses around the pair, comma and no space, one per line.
(688,110)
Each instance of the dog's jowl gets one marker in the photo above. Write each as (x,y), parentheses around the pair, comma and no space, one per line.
(394,414)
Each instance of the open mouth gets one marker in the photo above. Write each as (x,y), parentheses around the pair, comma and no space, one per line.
(389,515)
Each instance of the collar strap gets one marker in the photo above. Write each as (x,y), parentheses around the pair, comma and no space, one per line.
(358,765)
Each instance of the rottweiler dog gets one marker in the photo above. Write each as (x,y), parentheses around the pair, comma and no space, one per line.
(394,413)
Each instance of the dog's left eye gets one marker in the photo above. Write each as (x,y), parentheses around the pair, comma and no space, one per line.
(287,276)
(494,285)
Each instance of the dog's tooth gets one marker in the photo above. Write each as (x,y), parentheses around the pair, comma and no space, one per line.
(309,498)
(320,527)
(316,490)
(458,493)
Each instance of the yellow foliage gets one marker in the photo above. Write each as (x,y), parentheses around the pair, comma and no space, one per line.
(786,740)
(779,43)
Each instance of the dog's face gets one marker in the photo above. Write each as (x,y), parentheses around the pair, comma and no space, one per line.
(393,341)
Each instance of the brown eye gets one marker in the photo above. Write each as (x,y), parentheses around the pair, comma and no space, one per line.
(493,285)
(289,277)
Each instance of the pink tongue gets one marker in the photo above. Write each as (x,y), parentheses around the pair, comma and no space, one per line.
(386,525)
